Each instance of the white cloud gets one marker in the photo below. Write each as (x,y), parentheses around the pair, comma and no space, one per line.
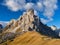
(29,6)
(39,6)
(50,6)
(14,5)
(47,7)
(35,12)
(49,13)
(46,20)
(4,23)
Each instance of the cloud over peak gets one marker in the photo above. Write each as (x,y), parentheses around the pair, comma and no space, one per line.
(47,7)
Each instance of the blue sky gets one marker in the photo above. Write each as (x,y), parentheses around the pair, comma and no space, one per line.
(47,10)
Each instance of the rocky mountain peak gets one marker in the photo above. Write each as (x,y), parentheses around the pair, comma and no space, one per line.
(24,22)
(27,21)
(30,12)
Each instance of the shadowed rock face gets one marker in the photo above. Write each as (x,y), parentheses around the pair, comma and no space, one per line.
(1,27)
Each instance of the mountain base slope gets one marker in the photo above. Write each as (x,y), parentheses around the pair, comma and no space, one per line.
(34,38)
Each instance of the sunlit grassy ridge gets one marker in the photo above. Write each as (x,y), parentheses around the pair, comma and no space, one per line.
(33,38)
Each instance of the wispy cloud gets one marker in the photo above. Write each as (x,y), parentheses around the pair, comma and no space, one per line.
(47,7)
(46,20)
(50,6)
(14,5)
(4,23)
(29,6)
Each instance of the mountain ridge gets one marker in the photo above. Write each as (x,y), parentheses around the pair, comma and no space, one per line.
(29,21)
(25,23)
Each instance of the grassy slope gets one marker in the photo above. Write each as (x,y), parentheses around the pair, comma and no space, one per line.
(34,38)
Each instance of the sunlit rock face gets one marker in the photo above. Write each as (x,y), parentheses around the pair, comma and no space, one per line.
(27,21)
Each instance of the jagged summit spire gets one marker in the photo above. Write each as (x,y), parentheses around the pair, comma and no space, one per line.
(30,12)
